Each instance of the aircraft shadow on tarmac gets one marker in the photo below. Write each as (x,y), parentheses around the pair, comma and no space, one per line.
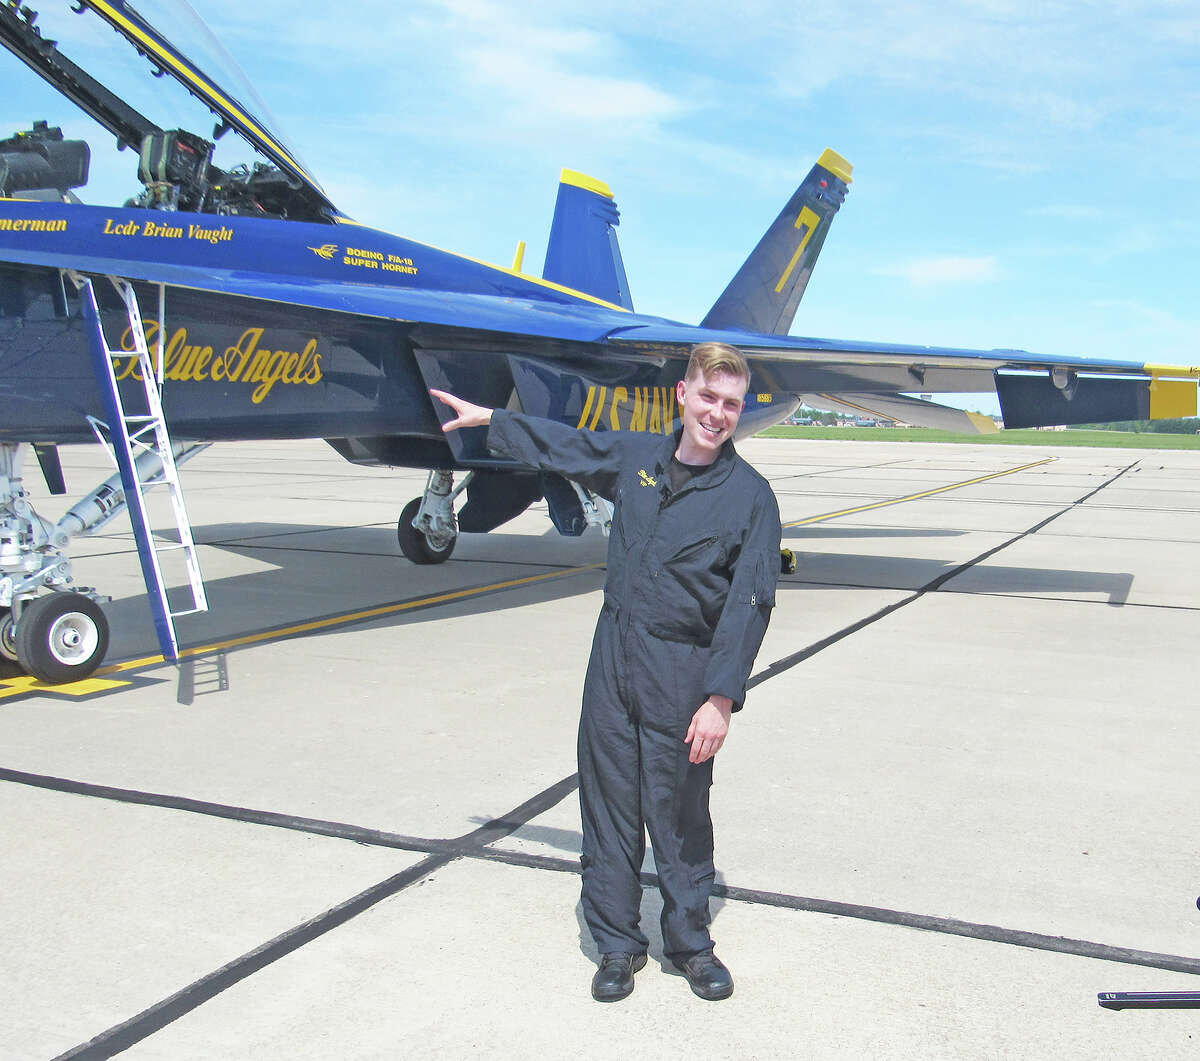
(823,567)
(344,570)
(550,548)
(851,571)
(822,531)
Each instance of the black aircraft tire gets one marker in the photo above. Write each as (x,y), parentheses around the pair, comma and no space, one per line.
(61,637)
(413,544)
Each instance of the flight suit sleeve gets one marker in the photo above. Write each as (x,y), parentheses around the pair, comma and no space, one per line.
(743,622)
(590,458)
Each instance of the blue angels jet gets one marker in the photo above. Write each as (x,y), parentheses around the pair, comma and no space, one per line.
(236,302)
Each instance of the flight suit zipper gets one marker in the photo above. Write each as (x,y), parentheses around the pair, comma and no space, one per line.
(648,552)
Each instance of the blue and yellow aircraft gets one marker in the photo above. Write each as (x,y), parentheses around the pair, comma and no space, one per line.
(237,302)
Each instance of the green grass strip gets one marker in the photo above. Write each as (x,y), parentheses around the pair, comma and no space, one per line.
(1103,439)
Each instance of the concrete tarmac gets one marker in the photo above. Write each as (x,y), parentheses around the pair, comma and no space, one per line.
(954,810)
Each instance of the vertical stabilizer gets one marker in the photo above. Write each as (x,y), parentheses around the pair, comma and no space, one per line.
(583,253)
(767,289)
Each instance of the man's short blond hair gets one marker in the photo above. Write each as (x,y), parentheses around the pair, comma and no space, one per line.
(711,359)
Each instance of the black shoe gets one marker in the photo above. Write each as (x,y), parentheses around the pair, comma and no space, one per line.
(707,976)
(614,979)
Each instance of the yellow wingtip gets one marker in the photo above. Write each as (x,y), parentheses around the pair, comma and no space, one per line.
(1174,371)
(1171,399)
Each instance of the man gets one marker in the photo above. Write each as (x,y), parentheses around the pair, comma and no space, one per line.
(693,558)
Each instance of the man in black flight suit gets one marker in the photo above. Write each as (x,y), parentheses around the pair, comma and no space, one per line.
(693,558)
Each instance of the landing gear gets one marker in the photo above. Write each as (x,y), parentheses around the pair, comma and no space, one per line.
(427,529)
(9,667)
(413,543)
(50,627)
(8,641)
(61,637)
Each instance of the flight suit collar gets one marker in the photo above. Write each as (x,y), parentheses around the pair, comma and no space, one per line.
(715,474)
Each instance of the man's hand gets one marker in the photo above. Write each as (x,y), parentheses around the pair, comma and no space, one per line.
(468,415)
(709,727)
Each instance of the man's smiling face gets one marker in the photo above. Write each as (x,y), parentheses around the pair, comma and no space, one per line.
(711,408)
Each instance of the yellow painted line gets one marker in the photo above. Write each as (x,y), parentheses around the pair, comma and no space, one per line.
(917,497)
(341,620)
(23,685)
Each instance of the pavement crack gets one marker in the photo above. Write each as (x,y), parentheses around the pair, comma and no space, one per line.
(128,1033)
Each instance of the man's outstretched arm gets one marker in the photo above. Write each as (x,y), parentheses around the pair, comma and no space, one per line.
(588,457)
(468,414)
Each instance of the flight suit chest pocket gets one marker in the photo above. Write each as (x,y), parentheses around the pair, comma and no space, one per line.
(701,554)
(694,548)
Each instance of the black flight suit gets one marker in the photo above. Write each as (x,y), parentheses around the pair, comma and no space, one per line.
(688,594)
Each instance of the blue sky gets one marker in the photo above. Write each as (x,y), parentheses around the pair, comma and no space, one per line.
(1025,175)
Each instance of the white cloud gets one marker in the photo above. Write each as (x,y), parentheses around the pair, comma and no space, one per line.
(544,88)
(1070,212)
(942,272)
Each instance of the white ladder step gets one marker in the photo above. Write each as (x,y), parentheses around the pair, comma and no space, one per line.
(130,434)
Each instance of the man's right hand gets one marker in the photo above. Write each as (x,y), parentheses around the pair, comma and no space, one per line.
(468,415)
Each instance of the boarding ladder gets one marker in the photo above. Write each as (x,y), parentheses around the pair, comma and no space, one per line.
(140,447)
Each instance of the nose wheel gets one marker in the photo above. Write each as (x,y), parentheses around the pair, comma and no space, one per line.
(60,637)
(415,544)
(427,529)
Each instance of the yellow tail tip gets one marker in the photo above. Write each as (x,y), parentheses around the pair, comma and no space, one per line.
(836,165)
(582,180)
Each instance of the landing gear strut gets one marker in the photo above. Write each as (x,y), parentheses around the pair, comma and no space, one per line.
(427,529)
(49,627)
(57,637)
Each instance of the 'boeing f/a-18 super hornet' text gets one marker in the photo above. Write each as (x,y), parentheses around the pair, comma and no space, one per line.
(236,302)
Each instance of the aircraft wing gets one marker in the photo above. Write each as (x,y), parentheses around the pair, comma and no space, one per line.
(1034,389)
(901,409)
(865,365)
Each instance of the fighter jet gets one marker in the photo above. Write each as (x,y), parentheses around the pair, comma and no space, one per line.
(234,301)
